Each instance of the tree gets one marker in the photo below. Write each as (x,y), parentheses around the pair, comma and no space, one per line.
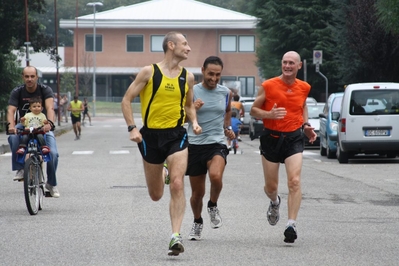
(13,36)
(372,53)
(388,15)
(301,26)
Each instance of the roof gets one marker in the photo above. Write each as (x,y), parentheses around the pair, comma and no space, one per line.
(104,70)
(152,14)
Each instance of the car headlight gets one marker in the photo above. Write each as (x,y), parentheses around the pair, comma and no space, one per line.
(334,126)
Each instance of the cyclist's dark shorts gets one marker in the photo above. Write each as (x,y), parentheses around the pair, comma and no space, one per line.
(158,144)
(277,146)
(199,155)
(75,119)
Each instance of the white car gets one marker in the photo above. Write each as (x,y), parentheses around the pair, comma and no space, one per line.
(314,110)
(369,120)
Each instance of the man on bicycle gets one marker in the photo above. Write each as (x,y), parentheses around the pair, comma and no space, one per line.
(19,101)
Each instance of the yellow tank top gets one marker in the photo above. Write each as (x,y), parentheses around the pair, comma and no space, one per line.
(76,105)
(163,100)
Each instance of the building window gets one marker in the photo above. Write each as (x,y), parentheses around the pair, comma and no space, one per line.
(247,86)
(156,43)
(228,43)
(241,43)
(246,43)
(89,43)
(134,43)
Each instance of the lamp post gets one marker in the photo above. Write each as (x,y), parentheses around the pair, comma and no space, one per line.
(94,4)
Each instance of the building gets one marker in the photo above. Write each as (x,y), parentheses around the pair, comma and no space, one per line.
(130,37)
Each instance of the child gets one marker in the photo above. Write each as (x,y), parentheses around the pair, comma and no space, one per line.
(235,124)
(35,118)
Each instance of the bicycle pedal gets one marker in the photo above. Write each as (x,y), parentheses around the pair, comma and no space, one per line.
(47,194)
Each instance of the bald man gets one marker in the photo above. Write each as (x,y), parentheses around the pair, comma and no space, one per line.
(281,103)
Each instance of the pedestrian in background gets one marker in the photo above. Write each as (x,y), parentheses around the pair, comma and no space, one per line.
(76,108)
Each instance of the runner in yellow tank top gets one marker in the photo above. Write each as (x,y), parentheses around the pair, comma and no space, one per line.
(166,95)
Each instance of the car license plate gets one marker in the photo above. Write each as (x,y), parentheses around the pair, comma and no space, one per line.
(377,132)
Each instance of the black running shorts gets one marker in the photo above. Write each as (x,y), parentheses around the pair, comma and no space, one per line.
(158,144)
(200,155)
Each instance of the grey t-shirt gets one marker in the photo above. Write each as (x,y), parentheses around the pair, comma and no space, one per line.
(210,116)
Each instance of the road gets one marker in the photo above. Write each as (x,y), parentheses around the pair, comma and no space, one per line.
(349,213)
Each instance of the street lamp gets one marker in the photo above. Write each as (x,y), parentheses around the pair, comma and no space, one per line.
(94,4)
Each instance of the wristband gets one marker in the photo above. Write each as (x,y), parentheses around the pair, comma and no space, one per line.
(228,128)
(306,124)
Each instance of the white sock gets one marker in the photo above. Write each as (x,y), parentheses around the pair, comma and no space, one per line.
(290,222)
(276,202)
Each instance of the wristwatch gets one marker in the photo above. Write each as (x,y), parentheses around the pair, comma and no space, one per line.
(131,127)
(228,128)
(306,124)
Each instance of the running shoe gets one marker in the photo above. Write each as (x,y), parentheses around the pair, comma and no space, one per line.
(195,233)
(290,233)
(176,245)
(53,190)
(216,220)
(273,213)
(167,177)
(19,176)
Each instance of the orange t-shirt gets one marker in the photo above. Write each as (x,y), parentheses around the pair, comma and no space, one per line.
(238,106)
(292,97)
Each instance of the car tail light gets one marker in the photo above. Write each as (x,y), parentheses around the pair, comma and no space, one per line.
(376,87)
(343,125)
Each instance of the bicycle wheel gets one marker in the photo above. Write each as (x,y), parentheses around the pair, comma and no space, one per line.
(235,146)
(32,186)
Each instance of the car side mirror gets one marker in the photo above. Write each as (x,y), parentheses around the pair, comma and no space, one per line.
(322,115)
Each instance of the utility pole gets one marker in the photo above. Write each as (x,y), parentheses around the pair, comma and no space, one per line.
(317,60)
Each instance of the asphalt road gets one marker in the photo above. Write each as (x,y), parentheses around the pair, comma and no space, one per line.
(349,213)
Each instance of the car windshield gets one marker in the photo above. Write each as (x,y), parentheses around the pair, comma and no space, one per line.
(369,102)
(315,110)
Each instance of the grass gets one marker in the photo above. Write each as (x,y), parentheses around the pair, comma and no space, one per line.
(112,107)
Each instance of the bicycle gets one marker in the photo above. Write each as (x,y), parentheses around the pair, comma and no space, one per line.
(34,181)
(234,144)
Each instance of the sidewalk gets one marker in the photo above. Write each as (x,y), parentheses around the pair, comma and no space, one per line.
(59,130)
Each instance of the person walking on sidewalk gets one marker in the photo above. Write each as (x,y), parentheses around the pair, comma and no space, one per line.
(166,94)
(76,108)
(281,103)
(86,111)
(208,151)
(18,105)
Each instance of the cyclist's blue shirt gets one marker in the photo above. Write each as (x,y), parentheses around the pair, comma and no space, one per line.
(235,124)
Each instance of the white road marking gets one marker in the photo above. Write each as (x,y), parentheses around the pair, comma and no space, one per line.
(82,152)
(120,152)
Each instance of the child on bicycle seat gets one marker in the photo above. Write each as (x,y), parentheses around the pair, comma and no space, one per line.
(236,125)
(35,118)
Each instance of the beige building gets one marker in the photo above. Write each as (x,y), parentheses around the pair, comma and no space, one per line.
(130,37)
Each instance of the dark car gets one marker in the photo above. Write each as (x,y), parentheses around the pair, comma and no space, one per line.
(255,127)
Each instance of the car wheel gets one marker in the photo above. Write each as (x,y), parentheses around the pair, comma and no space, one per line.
(322,149)
(330,154)
(342,156)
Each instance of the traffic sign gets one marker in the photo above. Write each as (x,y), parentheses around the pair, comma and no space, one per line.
(317,57)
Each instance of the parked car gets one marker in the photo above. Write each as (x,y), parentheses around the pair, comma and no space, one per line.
(314,110)
(311,100)
(369,121)
(247,102)
(329,125)
(255,128)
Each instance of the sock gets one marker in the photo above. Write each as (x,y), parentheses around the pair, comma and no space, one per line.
(199,221)
(212,204)
(276,202)
(290,222)
(175,234)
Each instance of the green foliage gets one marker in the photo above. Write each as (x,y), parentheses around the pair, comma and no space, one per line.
(67,82)
(10,76)
(388,15)
(301,26)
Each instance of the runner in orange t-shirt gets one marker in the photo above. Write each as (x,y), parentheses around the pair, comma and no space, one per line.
(282,106)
